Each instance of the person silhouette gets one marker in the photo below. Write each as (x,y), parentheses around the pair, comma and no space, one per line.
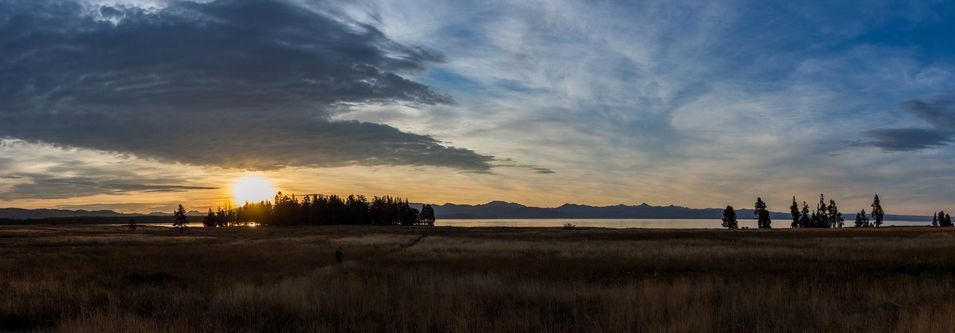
(339,255)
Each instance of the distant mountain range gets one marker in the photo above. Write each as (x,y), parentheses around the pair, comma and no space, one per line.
(510,210)
(490,210)
(44,213)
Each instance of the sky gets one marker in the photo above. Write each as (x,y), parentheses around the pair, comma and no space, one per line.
(138,105)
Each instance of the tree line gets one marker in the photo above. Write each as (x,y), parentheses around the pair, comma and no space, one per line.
(825,215)
(941,219)
(316,209)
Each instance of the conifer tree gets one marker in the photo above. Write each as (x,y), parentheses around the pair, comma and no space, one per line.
(859,223)
(794,211)
(180,220)
(944,219)
(221,219)
(209,220)
(835,217)
(762,215)
(822,213)
(935,219)
(877,212)
(729,218)
(427,215)
(805,221)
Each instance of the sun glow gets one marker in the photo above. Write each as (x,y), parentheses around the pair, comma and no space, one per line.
(252,189)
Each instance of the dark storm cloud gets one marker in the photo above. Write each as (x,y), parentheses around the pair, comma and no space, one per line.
(939,113)
(509,163)
(244,84)
(905,139)
(542,170)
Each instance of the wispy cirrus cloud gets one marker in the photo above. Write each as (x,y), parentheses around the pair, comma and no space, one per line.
(655,100)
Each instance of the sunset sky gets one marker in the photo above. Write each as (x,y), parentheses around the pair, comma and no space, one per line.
(137,105)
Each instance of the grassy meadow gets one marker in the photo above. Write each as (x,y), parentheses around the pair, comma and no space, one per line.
(411,279)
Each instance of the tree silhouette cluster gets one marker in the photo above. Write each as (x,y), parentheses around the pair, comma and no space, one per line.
(877,215)
(826,215)
(322,210)
(941,219)
(862,220)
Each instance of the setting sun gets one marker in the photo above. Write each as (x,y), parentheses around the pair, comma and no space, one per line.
(252,189)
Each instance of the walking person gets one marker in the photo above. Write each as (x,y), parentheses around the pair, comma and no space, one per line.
(339,255)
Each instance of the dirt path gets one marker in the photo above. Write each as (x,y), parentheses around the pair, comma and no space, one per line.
(414,242)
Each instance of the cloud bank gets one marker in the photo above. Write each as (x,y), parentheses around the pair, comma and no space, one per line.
(239,84)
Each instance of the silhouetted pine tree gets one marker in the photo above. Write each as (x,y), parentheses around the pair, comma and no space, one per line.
(729,218)
(948,220)
(306,211)
(406,214)
(179,218)
(794,211)
(762,215)
(427,215)
(209,220)
(877,212)
(835,217)
(221,219)
(230,216)
(357,209)
(935,219)
(822,214)
(859,222)
(805,221)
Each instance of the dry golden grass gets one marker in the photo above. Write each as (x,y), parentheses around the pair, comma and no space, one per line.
(106,279)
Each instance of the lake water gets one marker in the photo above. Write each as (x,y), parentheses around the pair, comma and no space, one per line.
(631,223)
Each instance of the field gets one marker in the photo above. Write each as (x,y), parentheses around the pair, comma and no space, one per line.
(395,279)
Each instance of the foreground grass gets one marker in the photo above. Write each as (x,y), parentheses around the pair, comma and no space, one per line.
(106,279)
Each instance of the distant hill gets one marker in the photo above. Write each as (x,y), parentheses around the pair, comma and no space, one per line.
(510,210)
(15,216)
(45,213)
(28,214)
